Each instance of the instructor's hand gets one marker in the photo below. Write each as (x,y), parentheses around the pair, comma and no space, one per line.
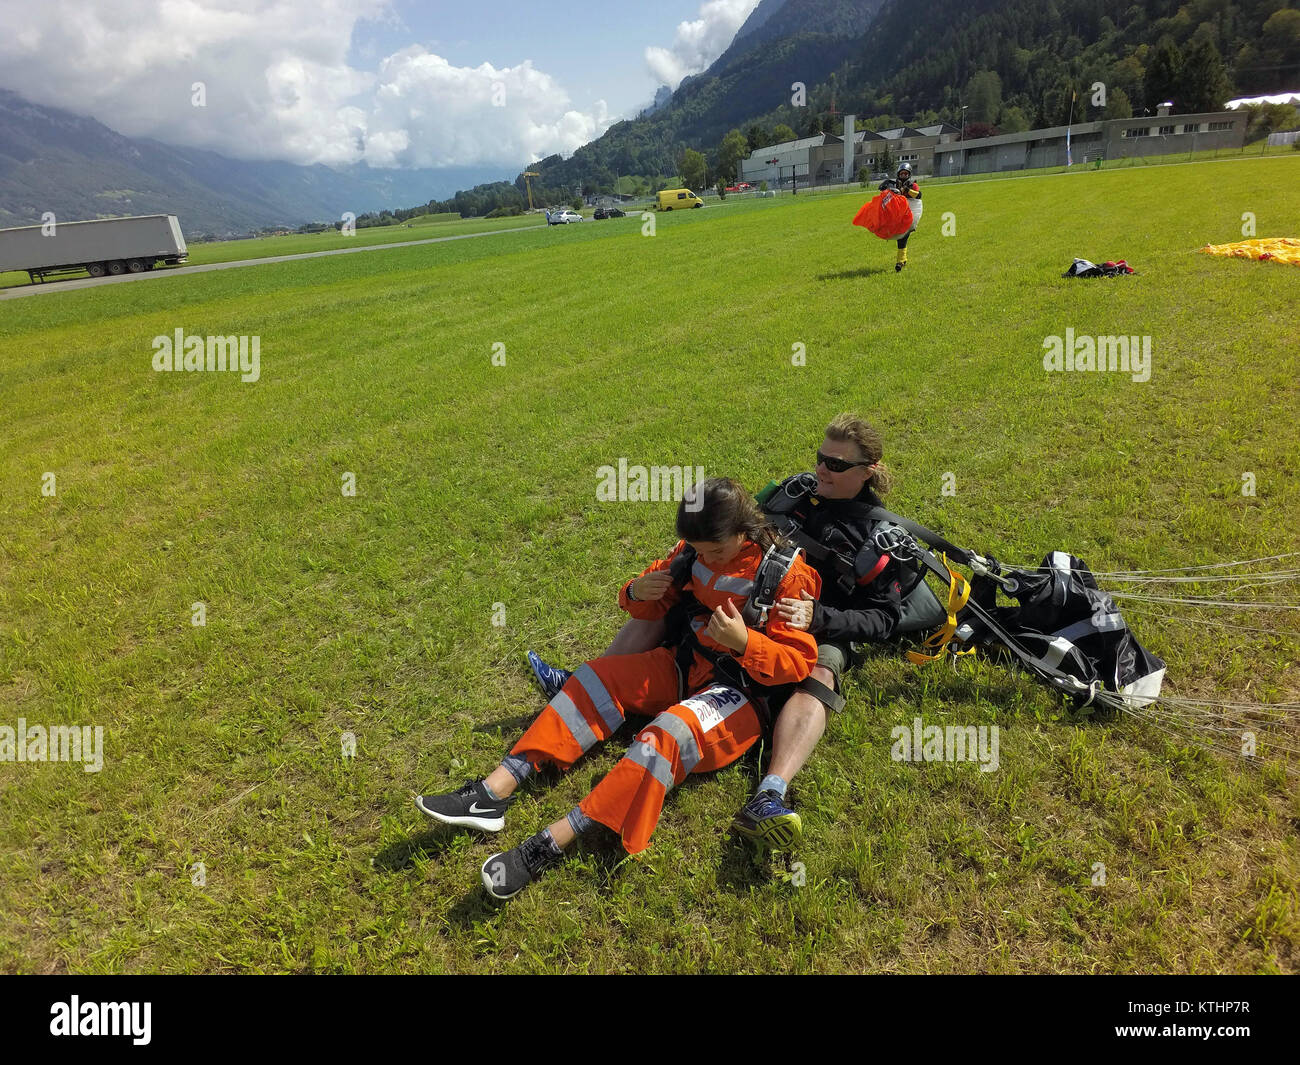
(797,613)
(727,627)
(651,586)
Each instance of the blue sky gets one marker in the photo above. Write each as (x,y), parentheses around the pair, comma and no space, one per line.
(596,51)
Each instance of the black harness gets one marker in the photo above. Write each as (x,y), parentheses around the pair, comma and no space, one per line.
(888,539)
(772,570)
(796,503)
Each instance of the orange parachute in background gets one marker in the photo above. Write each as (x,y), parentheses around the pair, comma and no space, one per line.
(887,215)
(1276,249)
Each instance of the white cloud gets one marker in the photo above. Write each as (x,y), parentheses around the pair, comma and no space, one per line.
(699,42)
(278,84)
(481,114)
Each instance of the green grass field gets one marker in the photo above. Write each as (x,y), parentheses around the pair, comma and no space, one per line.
(475,491)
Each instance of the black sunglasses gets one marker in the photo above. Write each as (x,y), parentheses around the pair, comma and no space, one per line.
(838,465)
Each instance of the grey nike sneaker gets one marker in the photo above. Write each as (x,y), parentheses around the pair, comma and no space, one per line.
(468,807)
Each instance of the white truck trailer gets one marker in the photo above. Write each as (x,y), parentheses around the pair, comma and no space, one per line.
(104,246)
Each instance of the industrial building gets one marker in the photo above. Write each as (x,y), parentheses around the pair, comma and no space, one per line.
(1119,138)
(827,159)
(938,150)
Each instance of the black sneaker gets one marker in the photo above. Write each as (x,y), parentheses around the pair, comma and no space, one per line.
(469,807)
(508,873)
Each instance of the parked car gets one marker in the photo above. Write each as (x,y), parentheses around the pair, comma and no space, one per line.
(609,212)
(564,217)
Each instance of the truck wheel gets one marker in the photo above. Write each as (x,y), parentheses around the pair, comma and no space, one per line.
(96,269)
(117,267)
(136,266)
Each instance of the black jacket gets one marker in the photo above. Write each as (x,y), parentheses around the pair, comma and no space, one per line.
(868,612)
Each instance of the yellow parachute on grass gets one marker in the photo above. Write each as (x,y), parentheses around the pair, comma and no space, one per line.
(1273,249)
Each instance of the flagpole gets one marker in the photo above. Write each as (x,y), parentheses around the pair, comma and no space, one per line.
(1069,159)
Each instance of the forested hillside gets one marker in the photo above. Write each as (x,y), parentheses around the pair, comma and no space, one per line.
(988,65)
(1015,64)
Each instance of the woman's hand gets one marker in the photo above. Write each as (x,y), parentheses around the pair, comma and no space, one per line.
(651,586)
(797,613)
(727,627)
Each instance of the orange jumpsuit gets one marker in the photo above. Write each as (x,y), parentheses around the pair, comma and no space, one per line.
(711,728)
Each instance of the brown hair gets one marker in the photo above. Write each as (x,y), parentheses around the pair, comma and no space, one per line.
(850,428)
(719,507)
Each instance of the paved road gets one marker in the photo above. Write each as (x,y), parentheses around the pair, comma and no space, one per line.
(89,282)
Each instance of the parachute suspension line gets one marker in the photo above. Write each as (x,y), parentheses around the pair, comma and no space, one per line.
(1189,569)
(1192,601)
(1245,584)
(1260,714)
(1214,622)
(1175,712)
(1177,571)
(1195,736)
(1118,700)
(1270,739)
(1283,577)
(1202,735)
(1178,700)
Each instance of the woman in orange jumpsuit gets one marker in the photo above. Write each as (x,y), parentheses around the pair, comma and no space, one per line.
(705,703)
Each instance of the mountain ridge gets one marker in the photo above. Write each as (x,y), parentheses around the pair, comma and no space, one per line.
(78,168)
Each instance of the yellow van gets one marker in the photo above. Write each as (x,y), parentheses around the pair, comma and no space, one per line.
(678,198)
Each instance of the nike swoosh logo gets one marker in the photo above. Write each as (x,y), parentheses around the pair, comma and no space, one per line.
(475,809)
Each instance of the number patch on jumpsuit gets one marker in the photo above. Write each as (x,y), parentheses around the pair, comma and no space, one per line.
(712,705)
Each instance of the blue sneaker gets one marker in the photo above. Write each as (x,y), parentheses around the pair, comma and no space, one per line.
(549,679)
(766,818)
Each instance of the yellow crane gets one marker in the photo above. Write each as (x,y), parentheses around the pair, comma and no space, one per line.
(529,185)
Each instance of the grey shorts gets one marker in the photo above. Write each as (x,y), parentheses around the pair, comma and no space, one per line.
(839,658)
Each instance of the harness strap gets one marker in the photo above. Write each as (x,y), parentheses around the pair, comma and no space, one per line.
(771,572)
(936,642)
(876,570)
(929,536)
(726,670)
(828,697)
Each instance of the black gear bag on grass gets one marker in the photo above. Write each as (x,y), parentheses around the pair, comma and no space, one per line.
(1067,623)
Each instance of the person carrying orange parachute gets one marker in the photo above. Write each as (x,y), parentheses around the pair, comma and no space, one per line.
(895,212)
(705,696)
